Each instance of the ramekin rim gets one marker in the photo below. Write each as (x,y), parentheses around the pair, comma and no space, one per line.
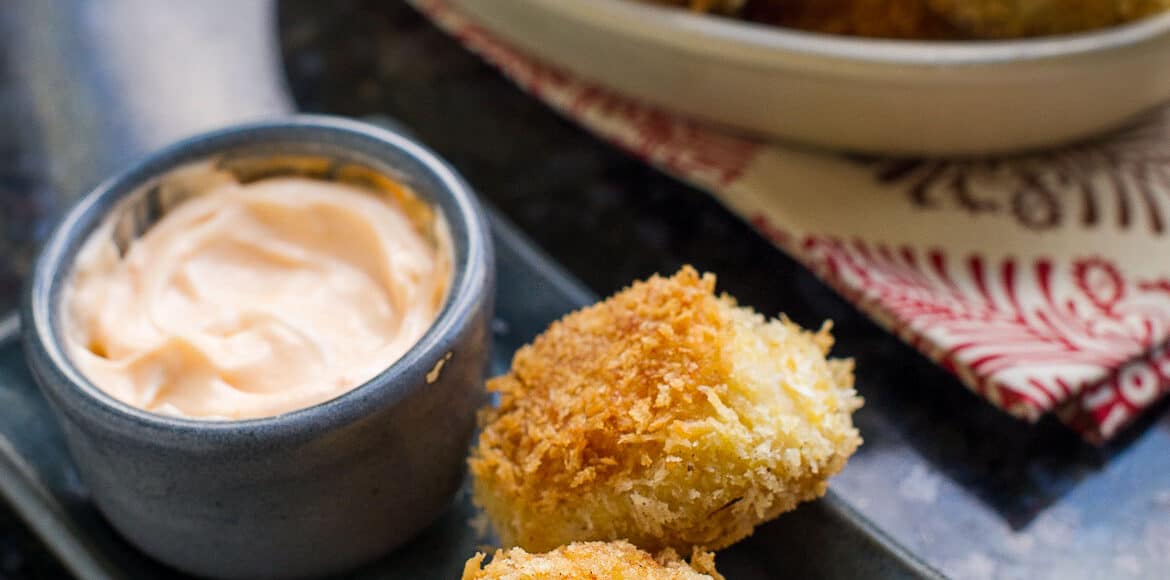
(467,287)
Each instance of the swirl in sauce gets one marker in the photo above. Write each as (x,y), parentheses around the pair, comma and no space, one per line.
(254,300)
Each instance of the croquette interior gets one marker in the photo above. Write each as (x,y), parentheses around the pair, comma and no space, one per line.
(665,415)
(592,560)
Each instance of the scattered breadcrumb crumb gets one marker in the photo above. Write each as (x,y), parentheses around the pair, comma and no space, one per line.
(590,561)
(666,416)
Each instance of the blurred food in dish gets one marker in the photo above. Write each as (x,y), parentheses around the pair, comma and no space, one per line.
(589,560)
(1021,18)
(728,7)
(934,19)
(665,415)
(874,18)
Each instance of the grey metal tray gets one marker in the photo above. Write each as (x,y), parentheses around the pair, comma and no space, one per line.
(83,90)
(825,539)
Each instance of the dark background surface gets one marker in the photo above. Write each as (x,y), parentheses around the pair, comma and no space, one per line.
(609,219)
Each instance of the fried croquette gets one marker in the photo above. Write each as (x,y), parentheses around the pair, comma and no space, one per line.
(666,416)
(591,560)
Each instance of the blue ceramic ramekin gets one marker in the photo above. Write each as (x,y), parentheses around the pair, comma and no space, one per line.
(309,492)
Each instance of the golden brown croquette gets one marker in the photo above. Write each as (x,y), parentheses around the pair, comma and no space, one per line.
(666,416)
(591,561)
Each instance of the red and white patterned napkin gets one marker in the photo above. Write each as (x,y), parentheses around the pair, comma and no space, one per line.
(1042,281)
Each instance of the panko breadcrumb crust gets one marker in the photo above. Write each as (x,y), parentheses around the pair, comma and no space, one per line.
(666,416)
(592,560)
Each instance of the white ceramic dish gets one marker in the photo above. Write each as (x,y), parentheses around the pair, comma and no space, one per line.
(873,96)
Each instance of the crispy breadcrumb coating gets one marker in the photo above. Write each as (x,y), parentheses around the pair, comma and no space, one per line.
(592,560)
(666,416)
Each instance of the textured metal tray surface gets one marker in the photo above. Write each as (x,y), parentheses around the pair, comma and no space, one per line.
(825,539)
(962,487)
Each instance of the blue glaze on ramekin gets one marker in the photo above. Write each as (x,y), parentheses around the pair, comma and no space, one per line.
(313,491)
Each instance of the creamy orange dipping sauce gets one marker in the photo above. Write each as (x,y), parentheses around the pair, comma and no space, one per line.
(255,300)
